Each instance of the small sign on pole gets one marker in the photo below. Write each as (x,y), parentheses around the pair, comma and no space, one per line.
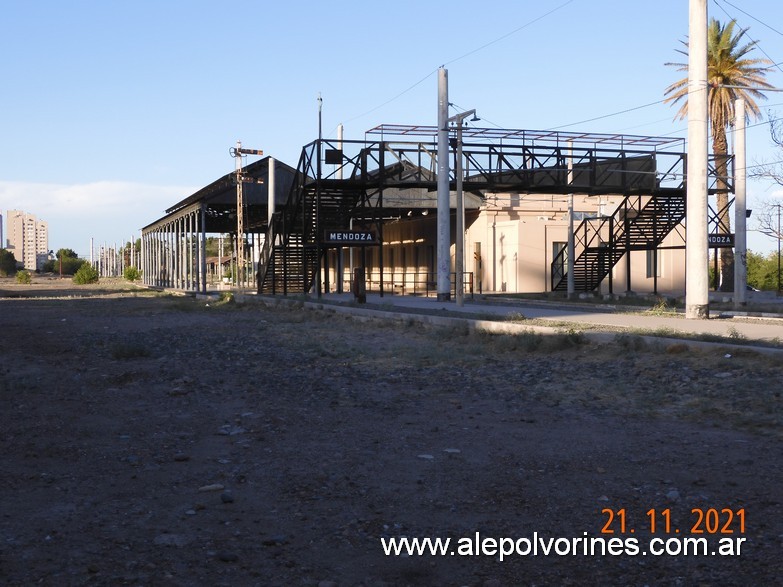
(720,241)
(349,238)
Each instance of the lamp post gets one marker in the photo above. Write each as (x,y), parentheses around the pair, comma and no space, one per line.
(459,257)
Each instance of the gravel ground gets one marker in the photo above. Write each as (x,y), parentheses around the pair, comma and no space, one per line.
(151,439)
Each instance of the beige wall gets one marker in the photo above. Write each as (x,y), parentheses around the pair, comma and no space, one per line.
(515,235)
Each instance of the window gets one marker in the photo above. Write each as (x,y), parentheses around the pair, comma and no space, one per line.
(559,263)
(654,264)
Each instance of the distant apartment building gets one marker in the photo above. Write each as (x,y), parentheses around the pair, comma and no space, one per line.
(28,238)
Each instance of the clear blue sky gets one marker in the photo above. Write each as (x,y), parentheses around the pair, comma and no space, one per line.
(113,111)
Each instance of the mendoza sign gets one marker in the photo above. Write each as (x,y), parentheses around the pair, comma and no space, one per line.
(720,240)
(349,238)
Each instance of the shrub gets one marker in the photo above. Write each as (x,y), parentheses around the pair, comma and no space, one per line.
(86,274)
(132,274)
(24,276)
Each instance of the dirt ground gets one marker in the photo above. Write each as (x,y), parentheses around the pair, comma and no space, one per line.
(157,440)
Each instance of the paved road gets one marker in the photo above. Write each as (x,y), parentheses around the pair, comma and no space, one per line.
(744,327)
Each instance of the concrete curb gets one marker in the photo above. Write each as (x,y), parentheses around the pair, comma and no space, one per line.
(502,327)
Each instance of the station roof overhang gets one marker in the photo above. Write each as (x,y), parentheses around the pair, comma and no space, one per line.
(219,199)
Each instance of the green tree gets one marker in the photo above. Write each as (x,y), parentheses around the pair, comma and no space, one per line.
(7,263)
(66,260)
(66,253)
(763,270)
(731,74)
(24,277)
(86,274)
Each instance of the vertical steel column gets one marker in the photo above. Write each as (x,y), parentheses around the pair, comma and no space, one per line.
(183,254)
(177,250)
(161,259)
(155,271)
(318,203)
(189,251)
(740,205)
(570,246)
(382,178)
(170,256)
(203,248)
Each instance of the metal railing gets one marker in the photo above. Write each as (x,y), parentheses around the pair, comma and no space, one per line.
(409,282)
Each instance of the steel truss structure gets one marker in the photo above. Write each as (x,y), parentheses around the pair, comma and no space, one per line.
(342,184)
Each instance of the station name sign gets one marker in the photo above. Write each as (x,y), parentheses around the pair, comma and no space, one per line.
(720,240)
(350,237)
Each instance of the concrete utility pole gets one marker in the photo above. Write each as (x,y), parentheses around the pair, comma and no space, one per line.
(444,203)
(740,205)
(340,251)
(696,262)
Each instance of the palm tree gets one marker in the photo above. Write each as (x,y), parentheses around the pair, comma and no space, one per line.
(731,74)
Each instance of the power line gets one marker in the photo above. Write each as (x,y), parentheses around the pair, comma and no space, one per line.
(498,39)
(608,115)
(761,22)
(405,91)
(516,30)
(755,42)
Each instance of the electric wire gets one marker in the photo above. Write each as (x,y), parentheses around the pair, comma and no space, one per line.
(476,50)
(516,30)
(608,115)
(389,101)
(761,22)
(755,42)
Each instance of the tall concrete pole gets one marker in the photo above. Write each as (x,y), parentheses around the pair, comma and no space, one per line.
(696,254)
(571,247)
(341,252)
(444,204)
(459,253)
(740,205)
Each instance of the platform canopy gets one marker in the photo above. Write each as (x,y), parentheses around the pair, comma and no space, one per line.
(219,199)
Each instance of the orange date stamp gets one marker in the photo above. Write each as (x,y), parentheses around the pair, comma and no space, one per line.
(701,521)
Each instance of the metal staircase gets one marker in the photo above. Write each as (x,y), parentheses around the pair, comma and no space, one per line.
(289,258)
(639,223)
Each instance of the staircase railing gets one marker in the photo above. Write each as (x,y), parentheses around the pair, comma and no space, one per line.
(594,234)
